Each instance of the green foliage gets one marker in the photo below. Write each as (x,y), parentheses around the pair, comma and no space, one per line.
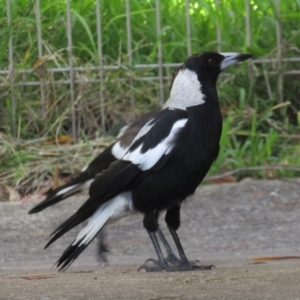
(256,132)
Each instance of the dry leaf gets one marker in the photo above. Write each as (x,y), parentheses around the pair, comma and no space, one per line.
(167,297)
(227,179)
(81,272)
(40,61)
(55,178)
(62,140)
(33,198)
(274,258)
(12,194)
(38,276)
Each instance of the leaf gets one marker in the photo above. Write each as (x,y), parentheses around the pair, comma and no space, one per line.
(61,139)
(38,276)
(12,194)
(33,198)
(226,179)
(40,61)
(274,258)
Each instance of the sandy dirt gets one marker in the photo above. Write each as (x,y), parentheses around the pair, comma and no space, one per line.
(225,225)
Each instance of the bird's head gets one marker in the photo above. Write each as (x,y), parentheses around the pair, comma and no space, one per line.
(198,73)
(208,65)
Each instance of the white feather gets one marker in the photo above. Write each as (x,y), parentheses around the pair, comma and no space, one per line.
(86,185)
(118,151)
(67,189)
(108,213)
(148,159)
(186,91)
(75,188)
(85,167)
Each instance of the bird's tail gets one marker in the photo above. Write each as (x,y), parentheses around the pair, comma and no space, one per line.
(61,193)
(108,213)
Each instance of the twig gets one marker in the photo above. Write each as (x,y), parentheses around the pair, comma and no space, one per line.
(260,168)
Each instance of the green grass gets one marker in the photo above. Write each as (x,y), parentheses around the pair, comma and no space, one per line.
(256,132)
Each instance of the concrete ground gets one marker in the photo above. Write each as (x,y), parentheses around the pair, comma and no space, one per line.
(231,226)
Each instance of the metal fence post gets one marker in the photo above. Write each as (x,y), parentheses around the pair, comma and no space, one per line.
(100,62)
(40,53)
(129,53)
(159,53)
(71,71)
(219,35)
(11,72)
(188,27)
(279,51)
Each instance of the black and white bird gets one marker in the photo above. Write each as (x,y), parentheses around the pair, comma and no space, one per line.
(83,181)
(165,162)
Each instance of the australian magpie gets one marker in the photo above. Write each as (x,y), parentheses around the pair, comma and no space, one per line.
(166,161)
(82,182)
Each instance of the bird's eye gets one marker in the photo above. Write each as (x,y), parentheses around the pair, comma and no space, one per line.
(211,61)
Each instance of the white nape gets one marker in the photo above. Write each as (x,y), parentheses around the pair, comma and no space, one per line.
(108,213)
(186,91)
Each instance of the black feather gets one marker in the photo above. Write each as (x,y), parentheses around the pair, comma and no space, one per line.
(101,162)
(69,255)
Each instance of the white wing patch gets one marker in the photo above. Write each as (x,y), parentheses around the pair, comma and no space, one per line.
(148,159)
(119,151)
(186,91)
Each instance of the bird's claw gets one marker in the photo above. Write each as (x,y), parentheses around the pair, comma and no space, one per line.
(175,267)
(195,265)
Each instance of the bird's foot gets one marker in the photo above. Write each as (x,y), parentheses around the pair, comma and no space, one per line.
(175,266)
(172,259)
(157,266)
(194,266)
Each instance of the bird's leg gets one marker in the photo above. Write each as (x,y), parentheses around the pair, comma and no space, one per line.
(102,246)
(160,264)
(161,260)
(151,225)
(178,245)
(173,221)
(171,258)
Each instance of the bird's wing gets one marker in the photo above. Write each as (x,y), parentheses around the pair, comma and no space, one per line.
(100,163)
(148,152)
(156,139)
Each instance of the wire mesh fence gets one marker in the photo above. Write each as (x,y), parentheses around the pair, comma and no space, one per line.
(18,80)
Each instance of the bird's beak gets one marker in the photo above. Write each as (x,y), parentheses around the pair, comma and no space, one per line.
(233,58)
